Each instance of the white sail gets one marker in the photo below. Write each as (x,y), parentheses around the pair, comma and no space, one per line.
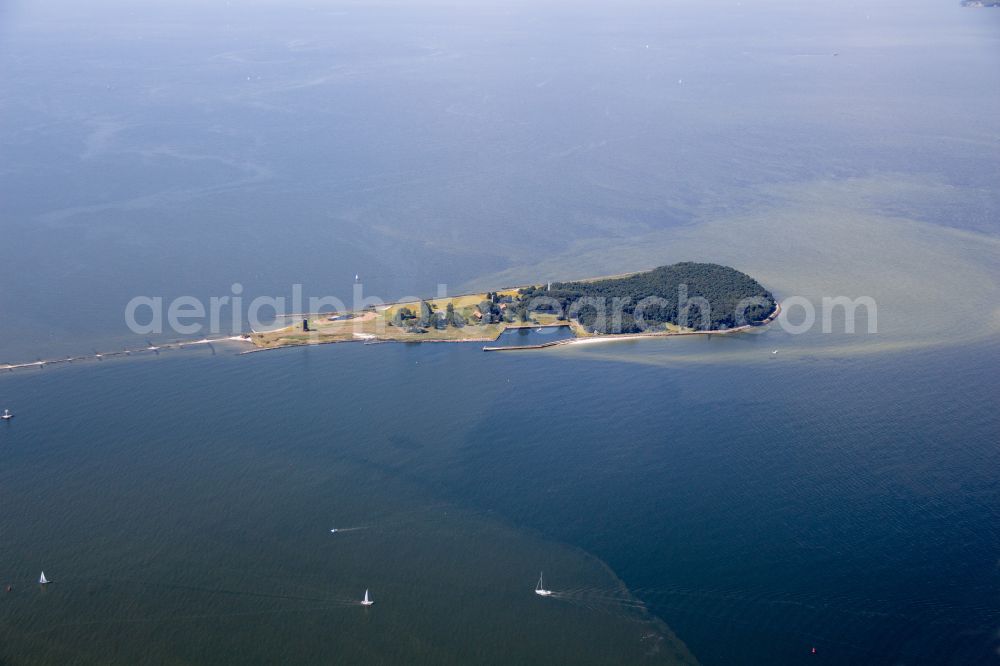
(367,600)
(540,588)
(42,580)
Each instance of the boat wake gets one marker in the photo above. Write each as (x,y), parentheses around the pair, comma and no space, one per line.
(611,602)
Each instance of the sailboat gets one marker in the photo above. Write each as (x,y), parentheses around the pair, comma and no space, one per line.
(42,580)
(367,601)
(6,416)
(540,588)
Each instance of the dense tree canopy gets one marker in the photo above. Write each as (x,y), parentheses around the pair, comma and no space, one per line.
(700,296)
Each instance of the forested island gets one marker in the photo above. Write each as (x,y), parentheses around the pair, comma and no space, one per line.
(679,299)
(690,295)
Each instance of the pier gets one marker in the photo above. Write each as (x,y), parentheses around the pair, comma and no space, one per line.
(540,345)
(41,364)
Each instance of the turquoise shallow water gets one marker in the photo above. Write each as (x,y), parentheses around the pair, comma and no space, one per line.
(759,509)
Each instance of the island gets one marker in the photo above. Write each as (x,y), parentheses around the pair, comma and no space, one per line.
(680,299)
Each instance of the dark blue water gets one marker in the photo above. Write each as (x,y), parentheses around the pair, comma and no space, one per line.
(760,510)
(763,510)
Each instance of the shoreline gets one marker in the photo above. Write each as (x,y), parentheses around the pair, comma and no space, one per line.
(615,337)
(485,317)
(369,326)
(41,364)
